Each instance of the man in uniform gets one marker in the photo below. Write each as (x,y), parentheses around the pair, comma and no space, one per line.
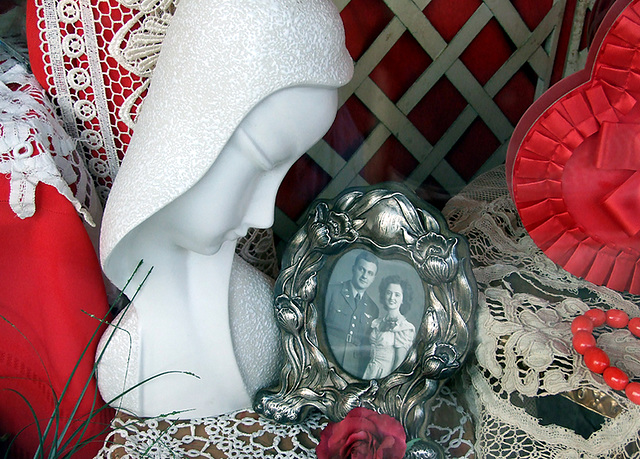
(349,311)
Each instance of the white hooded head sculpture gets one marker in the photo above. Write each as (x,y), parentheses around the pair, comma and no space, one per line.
(241,89)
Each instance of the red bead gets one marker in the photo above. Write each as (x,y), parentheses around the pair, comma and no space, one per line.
(581,323)
(596,359)
(583,340)
(633,392)
(617,318)
(634,326)
(597,316)
(615,378)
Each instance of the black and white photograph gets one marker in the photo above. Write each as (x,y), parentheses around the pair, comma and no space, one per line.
(373,302)
(373,309)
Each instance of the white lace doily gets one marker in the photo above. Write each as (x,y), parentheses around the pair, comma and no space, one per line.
(524,351)
(244,434)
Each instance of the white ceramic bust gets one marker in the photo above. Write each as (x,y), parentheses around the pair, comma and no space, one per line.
(241,89)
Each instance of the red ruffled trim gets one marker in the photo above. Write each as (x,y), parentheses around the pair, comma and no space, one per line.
(576,173)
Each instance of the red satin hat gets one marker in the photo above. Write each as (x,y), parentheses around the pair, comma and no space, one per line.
(573,163)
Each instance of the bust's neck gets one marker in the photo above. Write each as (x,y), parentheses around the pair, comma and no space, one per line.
(169,273)
(185,279)
(183,309)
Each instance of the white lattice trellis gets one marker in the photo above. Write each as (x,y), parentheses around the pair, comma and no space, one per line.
(535,48)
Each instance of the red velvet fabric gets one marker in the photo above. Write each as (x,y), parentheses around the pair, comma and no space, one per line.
(573,163)
(51,284)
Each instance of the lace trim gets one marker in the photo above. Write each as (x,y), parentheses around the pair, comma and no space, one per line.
(524,347)
(85,93)
(137,44)
(34,148)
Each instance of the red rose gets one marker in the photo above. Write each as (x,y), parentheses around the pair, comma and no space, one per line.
(363,434)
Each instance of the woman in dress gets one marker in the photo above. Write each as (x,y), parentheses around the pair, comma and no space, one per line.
(392,334)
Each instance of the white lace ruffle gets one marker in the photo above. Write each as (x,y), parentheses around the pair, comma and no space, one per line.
(34,148)
(526,305)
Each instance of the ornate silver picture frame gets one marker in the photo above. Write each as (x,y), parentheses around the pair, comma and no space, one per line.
(347,341)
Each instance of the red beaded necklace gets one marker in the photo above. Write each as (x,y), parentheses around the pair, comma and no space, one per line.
(595,358)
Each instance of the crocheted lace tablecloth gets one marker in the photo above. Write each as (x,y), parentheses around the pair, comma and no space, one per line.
(523,361)
(244,434)
(524,356)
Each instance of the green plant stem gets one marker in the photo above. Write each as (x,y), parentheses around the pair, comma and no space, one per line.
(59,445)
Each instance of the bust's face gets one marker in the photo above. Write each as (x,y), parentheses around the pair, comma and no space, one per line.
(239,190)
